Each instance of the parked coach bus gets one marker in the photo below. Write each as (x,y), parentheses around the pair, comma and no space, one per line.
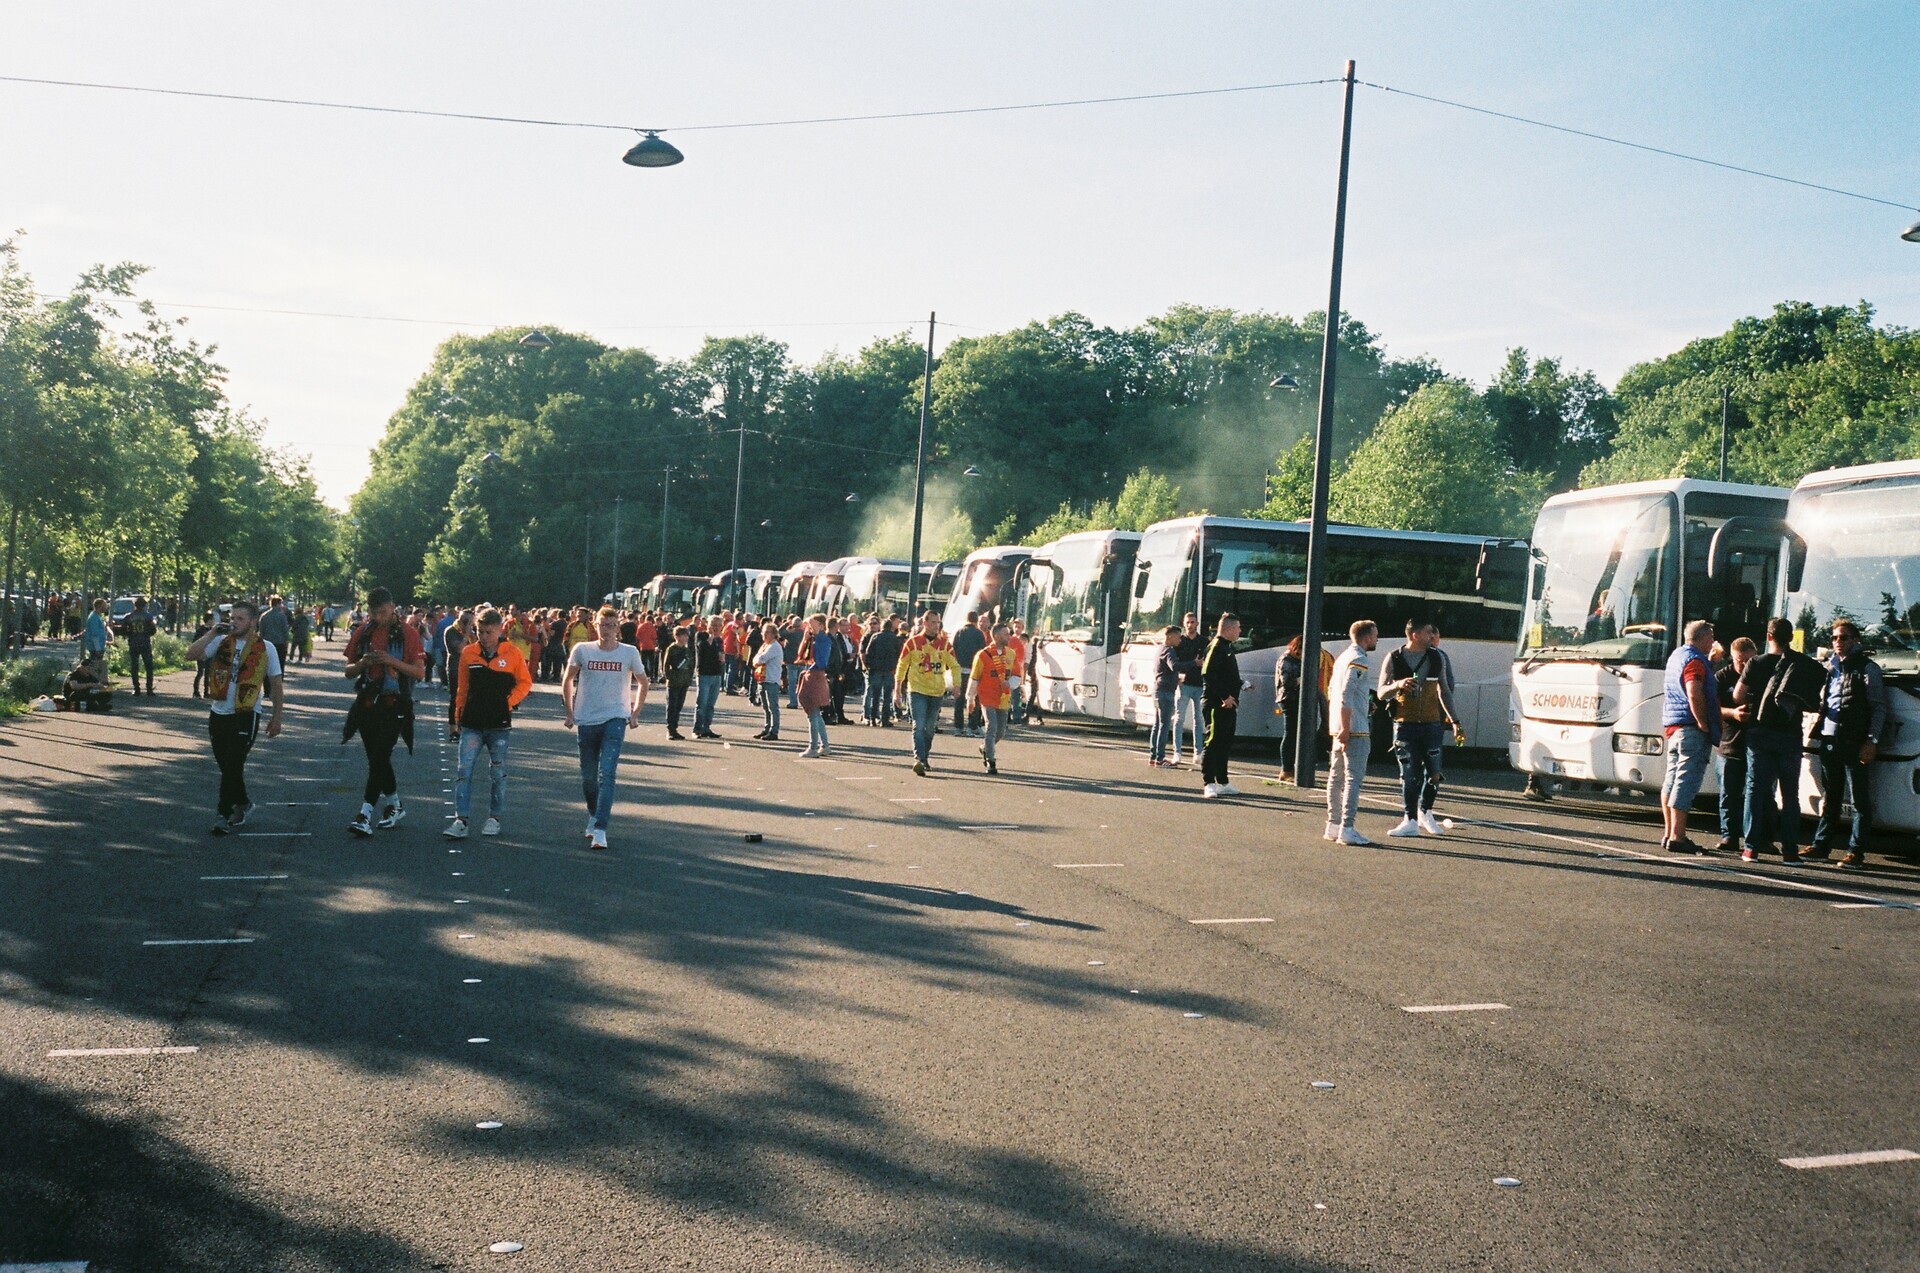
(985,585)
(857,585)
(1074,597)
(671,593)
(1258,570)
(737,590)
(1616,573)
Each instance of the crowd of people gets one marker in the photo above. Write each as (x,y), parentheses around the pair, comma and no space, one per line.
(1746,715)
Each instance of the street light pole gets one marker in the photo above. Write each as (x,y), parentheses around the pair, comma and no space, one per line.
(586,564)
(666,499)
(1724,395)
(920,478)
(1308,712)
(614,586)
(739,472)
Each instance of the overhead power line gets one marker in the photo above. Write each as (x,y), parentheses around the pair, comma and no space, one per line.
(1638,145)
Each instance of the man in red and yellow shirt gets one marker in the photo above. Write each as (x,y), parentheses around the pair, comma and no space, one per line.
(990,686)
(926,669)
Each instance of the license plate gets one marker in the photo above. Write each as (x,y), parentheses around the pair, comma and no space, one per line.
(1571,768)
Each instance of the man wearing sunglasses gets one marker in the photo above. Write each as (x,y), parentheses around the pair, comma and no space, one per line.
(1853,719)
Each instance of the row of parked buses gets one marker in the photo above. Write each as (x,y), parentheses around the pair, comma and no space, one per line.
(1559,643)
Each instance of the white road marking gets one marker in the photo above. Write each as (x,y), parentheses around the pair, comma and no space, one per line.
(121,1052)
(851,778)
(273,835)
(309,780)
(1086,866)
(200,941)
(993,826)
(1458,1007)
(914,799)
(1230,921)
(303,804)
(1864,906)
(1863,1159)
(57,1266)
(243,877)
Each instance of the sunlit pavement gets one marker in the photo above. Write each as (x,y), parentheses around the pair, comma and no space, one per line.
(1068,1018)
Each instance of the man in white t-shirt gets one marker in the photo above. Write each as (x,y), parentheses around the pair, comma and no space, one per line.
(603,688)
(242,679)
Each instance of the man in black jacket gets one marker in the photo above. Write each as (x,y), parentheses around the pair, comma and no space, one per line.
(1777,690)
(1219,703)
(710,661)
(967,642)
(677,666)
(881,655)
(1853,720)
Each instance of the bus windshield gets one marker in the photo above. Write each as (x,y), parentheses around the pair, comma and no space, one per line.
(1863,563)
(1604,582)
(1069,608)
(1162,582)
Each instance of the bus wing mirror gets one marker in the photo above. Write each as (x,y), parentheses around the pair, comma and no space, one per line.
(1726,541)
(1502,567)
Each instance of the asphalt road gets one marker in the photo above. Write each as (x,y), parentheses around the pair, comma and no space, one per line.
(948,1023)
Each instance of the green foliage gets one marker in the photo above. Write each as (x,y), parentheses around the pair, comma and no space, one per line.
(1808,388)
(1435,464)
(169,655)
(1549,421)
(27,678)
(1145,498)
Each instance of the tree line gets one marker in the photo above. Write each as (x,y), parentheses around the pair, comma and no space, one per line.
(123,464)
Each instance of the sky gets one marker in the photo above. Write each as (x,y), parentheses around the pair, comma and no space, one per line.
(1466,235)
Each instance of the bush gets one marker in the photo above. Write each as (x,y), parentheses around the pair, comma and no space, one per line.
(169,655)
(27,678)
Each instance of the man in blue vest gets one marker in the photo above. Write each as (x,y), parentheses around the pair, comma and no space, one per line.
(1690,717)
(1853,720)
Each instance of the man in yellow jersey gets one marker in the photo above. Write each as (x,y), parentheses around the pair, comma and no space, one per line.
(925,674)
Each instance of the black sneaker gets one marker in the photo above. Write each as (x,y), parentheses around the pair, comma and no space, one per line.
(1816,853)
(1852,862)
(920,768)
(1727,845)
(220,827)
(993,766)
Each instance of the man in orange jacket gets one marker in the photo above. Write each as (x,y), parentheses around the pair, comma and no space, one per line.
(492,680)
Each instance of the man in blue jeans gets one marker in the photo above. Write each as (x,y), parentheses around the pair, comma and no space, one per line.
(1853,720)
(490,680)
(1690,717)
(710,662)
(1773,743)
(1416,683)
(603,689)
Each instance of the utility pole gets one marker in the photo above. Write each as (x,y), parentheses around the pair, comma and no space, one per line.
(614,587)
(920,479)
(1309,713)
(739,472)
(666,498)
(1724,396)
(586,565)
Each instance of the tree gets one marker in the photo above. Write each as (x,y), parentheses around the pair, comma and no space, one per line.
(1435,464)
(1549,421)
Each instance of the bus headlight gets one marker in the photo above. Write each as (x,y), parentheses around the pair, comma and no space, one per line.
(1639,744)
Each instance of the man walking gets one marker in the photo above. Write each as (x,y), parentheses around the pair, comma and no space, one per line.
(990,686)
(1219,704)
(1853,719)
(1350,697)
(1690,718)
(243,676)
(1780,687)
(385,656)
(490,680)
(1417,685)
(603,689)
(138,628)
(925,673)
(276,625)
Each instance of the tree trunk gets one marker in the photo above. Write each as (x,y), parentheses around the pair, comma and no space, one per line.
(11,605)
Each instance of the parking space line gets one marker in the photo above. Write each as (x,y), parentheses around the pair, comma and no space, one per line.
(243,877)
(1259,920)
(1863,1159)
(122,1051)
(1458,1007)
(200,941)
(1092,866)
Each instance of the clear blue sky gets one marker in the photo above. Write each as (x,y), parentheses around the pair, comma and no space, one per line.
(1466,235)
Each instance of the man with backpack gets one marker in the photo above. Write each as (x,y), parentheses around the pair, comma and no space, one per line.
(1778,689)
(385,656)
(1417,684)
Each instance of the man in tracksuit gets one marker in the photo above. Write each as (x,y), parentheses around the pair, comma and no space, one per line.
(1219,701)
(1853,720)
(492,680)
(1350,693)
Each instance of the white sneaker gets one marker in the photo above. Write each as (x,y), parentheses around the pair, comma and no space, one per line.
(1427,824)
(1228,789)
(1407,827)
(589,830)
(1332,832)
(1350,836)
(456,830)
(598,840)
(490,827)
(395,812)
(1211,791)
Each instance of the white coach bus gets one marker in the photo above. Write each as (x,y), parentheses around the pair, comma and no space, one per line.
(985,585)
(1258,570)
(1074,603)
(1616,574)
(1861,529)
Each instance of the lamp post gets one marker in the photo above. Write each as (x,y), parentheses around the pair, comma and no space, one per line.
(1309,727)
(666,498)
(614,586)
(920,477)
